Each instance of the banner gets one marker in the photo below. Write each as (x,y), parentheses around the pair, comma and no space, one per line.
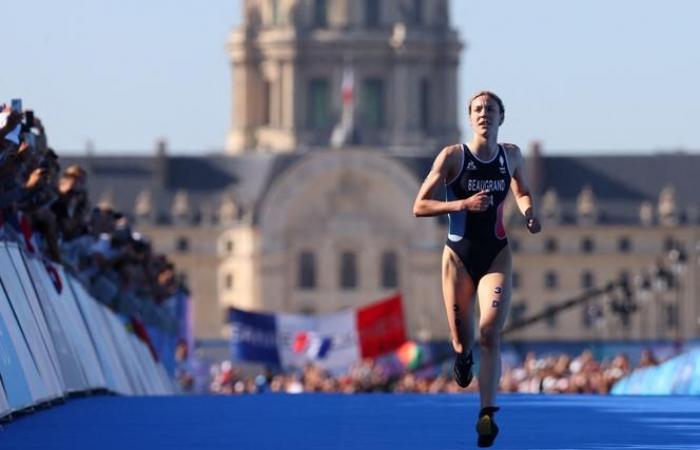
(332,341)
(381,327)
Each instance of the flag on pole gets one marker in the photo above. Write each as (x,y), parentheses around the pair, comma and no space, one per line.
(342,133)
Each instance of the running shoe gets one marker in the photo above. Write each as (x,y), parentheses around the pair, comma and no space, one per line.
(486,427)
(462,369)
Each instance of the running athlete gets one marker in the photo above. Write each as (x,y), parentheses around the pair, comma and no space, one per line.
(476,258)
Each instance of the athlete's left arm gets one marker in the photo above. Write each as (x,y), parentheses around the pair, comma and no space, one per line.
(520,189)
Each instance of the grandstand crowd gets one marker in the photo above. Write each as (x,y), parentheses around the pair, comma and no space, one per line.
(45,208)
(561,374)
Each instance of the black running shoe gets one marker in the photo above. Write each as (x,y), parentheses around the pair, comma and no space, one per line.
(486,427)
(462,369)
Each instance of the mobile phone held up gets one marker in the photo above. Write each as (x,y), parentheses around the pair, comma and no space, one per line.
(16,105)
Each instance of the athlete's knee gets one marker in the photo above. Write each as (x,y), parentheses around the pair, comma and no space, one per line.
(488,336)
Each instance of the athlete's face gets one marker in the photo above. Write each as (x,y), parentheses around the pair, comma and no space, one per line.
(485,116)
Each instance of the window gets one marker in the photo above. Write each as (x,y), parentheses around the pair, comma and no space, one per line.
(372,11)
(182,244)
(669,244)
(418,12)
(306,275)
(551,280)
(372,102)
(266,99)
(307,309)
(551,245)
(624,244)
(587,245)
(624,277)
(672,319)
(517,311)
(228,282)
(514,245)
(516,280)
(229,247)
(348,270)
(425,104)
(550,316)
(590,314)
(390,270)
(587,280)
(320,13)
(276,12)
(318,109)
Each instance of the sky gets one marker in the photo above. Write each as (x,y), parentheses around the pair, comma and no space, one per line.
(581,76)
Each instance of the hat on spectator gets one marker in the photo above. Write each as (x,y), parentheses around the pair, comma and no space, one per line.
(75,170)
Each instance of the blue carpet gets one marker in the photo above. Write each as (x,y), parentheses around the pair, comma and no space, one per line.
(357,422)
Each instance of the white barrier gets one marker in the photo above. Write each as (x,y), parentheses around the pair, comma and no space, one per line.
(73,376)
(55,339)
(116,377)
(21,293)
(4,406)
(14,380)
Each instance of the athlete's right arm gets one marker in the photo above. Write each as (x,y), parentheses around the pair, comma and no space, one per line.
(446,164)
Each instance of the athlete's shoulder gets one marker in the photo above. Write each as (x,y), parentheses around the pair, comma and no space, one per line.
(448,159)
(452,149)
(511,149)
(513,154)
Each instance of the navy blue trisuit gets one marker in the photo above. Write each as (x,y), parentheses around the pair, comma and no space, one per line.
(478,236)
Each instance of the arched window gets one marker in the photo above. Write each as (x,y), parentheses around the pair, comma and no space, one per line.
(587,279)
(425,104)
(320,13)
(318,104)
(372,13)
(551,280)
(516,280)
(587,245)
(182,244)
(390,270)
(306,271)
(372,102)
(624,244)
(348,270)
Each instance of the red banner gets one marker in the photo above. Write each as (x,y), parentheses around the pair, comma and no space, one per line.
(380,327)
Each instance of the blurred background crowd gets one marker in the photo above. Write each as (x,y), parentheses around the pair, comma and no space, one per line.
(552,374)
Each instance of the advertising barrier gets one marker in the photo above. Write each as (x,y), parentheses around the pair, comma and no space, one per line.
(56,340)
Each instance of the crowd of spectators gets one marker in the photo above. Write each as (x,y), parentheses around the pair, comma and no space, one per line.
(559,374)
(45,208)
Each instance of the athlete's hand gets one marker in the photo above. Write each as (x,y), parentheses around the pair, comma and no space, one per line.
(532,222)
(478,202)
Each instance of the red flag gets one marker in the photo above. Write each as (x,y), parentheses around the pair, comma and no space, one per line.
(347,86)
(381,327)
(140,331)
(25,226)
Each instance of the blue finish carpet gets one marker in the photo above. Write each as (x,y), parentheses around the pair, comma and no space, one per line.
(357,422)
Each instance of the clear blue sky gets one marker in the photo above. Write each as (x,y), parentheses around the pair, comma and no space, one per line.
(587,76)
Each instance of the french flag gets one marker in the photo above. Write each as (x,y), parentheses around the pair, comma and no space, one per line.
(332,341)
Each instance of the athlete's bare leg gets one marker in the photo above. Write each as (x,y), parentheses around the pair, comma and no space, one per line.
(458,293)
(494,300)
